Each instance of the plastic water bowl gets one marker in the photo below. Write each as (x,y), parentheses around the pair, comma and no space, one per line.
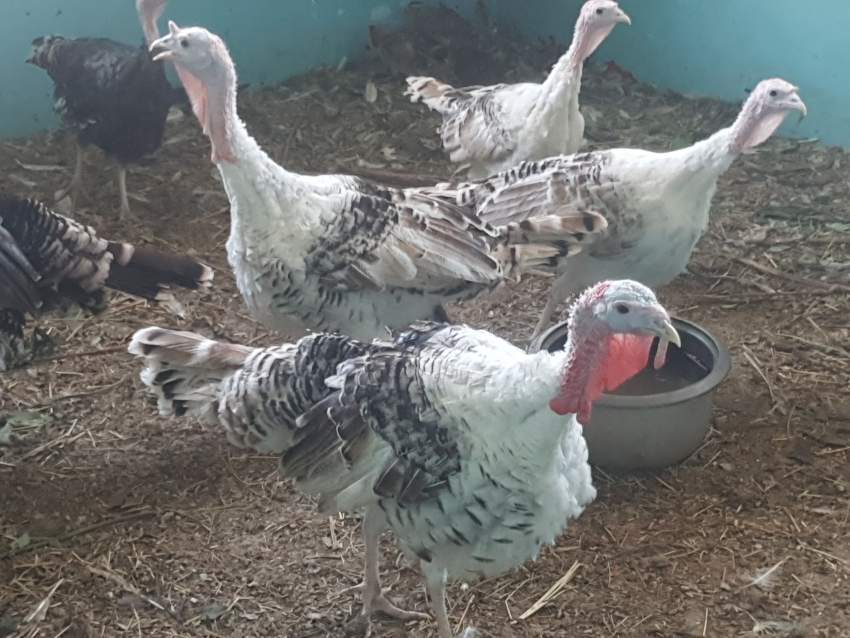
(658,417)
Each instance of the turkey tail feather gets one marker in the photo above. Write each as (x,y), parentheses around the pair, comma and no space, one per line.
(146,272)
(184,370)
(430,92)
(540,244)
(17,276)
(563,226)
(42,250)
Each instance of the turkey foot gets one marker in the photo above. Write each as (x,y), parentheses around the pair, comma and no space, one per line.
(374,597)
(361,625)
(381,603)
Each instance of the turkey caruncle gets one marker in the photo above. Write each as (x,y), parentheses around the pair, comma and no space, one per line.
(467,448)
(113,95)
(335,252)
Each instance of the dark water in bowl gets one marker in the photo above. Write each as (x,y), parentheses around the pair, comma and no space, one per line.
(682,369)
(685,366)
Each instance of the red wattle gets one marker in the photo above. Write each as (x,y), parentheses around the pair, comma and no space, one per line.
(560,405)
(625,356)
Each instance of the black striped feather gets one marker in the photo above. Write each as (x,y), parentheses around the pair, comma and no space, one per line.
(336,409)
(46,258)
(386,238)
(473,120)
(380,401)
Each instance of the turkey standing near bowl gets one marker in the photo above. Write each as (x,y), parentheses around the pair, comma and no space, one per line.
(466,447)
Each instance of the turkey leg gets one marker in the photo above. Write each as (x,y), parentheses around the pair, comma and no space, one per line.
(435,583)
(122,192)
(373,598)
(545,317)
(75,186)
(560,290)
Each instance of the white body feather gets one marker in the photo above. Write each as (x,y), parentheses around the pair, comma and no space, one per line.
(524,471)
(494,128)
(276,218)
(656,205)
(671,196)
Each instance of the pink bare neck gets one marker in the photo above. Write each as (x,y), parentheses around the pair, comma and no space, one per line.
(754,125)
(149,12)
(214,102)
(586,40)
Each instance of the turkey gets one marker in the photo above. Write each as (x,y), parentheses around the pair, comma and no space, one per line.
(656,204)
(337,252)
(491,128)
(113,95)
(47,259)
(467,448)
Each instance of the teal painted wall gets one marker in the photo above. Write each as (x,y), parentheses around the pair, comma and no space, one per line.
(270,39)
(703,47)
(721,47)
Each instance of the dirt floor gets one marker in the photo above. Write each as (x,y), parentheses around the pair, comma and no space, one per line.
(116,522)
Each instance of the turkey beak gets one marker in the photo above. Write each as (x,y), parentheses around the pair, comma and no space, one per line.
(623,17)
(669,333)
(161,48)
(797,103)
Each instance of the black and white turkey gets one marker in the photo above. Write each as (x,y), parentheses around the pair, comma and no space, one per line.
(656,205)
(112,95)
(491,128)
(469,449)
(337,252)
(48,260)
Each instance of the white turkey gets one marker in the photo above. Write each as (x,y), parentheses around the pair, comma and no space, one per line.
(492,128)
(656,204)
(467,448)
(48,260)
(113,95)
(336,252)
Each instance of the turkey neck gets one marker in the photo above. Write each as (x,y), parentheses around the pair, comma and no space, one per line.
(713,156)
(262,193)
(563,83)
(704,161)
(561,88)
(582,355)
(518,415)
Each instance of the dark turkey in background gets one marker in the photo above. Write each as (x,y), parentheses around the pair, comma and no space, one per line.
(112,95)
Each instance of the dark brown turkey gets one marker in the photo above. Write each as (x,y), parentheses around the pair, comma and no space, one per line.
(112,95)
(47,260)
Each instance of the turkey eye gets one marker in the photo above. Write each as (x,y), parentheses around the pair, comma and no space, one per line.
(622,308)
(773,93)
(599,12)
(184,43)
